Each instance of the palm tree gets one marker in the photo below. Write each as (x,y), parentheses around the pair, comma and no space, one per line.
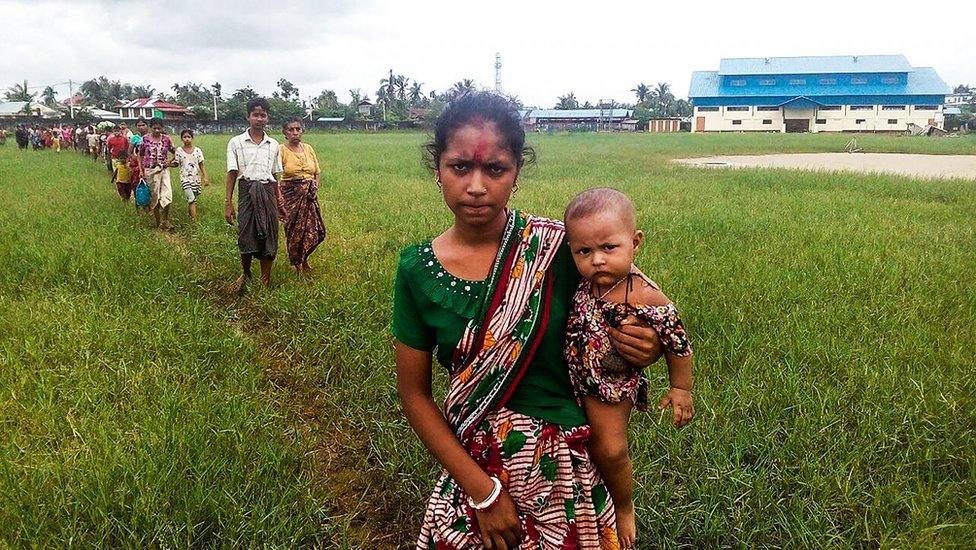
(388,85)
(416,93)
(460,88)
(356,96)
(142,91)
(663,97)
(567,101)
(641,91)
(50,96)
(93,92)
(19,92)
(401,83)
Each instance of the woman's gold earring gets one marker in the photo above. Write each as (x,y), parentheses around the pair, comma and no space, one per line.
(515,188)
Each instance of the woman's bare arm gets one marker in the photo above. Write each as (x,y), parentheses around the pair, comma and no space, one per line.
(500,525)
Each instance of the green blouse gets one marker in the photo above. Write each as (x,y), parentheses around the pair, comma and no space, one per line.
(431,309)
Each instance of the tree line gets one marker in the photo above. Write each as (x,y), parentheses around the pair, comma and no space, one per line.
(656,102)
(397,98)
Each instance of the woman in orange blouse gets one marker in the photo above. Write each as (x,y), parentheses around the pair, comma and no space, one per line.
(304,228)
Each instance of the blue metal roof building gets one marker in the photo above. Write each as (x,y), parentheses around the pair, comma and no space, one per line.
(827,83)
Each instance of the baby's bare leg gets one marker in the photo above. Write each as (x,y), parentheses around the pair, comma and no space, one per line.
(608,448)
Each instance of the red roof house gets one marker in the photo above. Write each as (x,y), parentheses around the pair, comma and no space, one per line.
(149,107)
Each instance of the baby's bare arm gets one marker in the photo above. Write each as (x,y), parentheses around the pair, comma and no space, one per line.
(680,367)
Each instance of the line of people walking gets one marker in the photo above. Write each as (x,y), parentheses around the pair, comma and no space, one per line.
(275,182)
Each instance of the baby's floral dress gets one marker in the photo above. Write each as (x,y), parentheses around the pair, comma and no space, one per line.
(595,367)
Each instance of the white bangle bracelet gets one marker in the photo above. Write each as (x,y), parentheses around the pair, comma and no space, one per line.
(496,491)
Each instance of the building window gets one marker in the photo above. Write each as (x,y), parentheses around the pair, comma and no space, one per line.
(767,81)
(856,80)
(736,123)
(767,121)
(738,82)
(860,121)
(737,109)
(707,109)
(893,108)
(889,80)
(767,108)
(862,107)
(926,107)
(892,121)
(830,108)
(798,82)
(821,121)
(828,81)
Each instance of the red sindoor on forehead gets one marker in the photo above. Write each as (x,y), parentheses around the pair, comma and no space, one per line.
(481,150)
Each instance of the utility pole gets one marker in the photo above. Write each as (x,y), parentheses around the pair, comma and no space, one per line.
(498,72)
(71,98)
(389,93)
(215,106)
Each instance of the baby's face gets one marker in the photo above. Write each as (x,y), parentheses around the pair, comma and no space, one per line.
(603,246)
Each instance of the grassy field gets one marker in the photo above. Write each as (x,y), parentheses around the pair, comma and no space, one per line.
(142,405)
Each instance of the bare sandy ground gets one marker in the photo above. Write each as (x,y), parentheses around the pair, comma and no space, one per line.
(920,166)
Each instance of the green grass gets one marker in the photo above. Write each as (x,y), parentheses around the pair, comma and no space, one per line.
(832,317)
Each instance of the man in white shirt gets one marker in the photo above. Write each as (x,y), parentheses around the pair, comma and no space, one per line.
(253,161)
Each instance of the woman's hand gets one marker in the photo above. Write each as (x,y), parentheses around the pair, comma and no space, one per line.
(499,525)
(637,344)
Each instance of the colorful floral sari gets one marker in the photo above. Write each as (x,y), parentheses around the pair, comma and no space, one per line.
(304,228)
(544,467)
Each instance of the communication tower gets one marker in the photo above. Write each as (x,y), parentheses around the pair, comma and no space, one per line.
(498,72)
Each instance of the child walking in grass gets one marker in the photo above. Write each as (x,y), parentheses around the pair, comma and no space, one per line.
(192,173)
(603,237)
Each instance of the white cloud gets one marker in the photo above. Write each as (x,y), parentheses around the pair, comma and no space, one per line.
(598,51)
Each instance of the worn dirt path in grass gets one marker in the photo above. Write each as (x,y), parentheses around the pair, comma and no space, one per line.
(920,166)
(356,495)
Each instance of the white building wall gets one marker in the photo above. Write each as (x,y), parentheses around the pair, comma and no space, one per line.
(843,120)
(753,120)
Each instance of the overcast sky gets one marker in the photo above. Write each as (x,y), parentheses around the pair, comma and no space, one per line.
(599,50)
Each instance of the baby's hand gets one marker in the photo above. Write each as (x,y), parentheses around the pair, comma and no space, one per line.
(683,404)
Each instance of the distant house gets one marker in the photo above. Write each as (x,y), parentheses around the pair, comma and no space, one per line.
(364,107)
(418,113)
(149,107)
(77,100)
(548,120)
(13,109)
(955,100)
(869,93)
(102,114)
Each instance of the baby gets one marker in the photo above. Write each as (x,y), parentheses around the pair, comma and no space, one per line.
(603,237)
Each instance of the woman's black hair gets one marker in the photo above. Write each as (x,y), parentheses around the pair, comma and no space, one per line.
(291,120)
(186,131)
(142,120)
(156,122)
(486,106)
(258,102)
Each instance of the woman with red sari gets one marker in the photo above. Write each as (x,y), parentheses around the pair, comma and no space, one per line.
(490,297)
